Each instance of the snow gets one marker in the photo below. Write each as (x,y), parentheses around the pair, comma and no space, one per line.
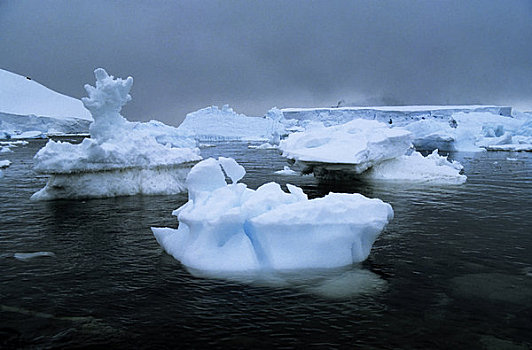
(215,124)
(26,105)
(229,227)
(359,143)
(21,96)
(121,157)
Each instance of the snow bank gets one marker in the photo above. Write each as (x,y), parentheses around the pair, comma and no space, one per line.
(224,228)
(26,105)
(359,144)
(120,158)
(215,124)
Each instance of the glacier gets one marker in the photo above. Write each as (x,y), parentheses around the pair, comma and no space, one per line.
(227,227)
(368,148)
(120,157)
(447,128)
(31,110)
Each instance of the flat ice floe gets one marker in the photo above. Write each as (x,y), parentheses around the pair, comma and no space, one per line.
(121,157)
(231,228)
(370,149)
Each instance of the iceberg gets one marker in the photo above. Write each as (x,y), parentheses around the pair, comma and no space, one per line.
(432,169)
(121,157)
(226,228)
(215,124)
(355,146)
(393,115)
(367,149)
(31,110)
(447,128)
(471,132)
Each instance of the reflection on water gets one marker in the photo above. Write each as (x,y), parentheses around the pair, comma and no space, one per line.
(452,270)
(339,283)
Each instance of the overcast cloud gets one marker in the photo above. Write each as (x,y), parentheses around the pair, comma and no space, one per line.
(254,55)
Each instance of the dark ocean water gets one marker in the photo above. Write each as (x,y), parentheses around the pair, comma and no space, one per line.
(453,270)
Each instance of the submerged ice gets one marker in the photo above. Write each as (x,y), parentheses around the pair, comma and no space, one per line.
(230,228)
(121,157)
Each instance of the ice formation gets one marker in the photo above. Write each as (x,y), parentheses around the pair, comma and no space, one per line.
(433,169)
(215,124)
(368,148)
(120,158)
(230,228)
(448,128)
(29,110)
(393,115)
(472,132)
(356,145)
(286,171)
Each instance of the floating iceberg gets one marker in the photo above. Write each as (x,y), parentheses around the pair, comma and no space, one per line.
(354,146)
(215,124)
(230,228)
(368,148)
(31,110)
(120,158)
(471,132)
(447,128)
(433,169)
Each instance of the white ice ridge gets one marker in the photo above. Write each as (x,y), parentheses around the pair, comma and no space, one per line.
(214,124)
(29,109)
(371,149)
(121,157)
(231,228)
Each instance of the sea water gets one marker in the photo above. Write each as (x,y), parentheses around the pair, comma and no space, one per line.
(452,270)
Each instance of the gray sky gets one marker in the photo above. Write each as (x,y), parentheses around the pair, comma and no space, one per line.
(254,55)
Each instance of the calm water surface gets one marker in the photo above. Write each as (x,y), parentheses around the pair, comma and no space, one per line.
(453,270)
